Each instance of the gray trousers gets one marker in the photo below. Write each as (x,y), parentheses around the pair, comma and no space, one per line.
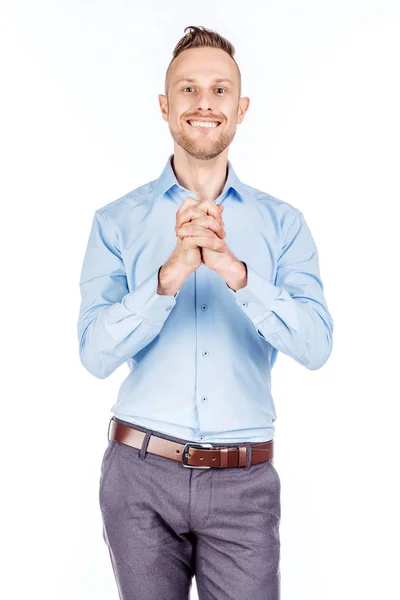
(164,523)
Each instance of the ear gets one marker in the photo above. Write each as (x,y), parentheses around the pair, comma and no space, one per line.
(163,102)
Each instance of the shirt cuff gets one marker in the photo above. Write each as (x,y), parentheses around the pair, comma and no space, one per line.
(257,298)
(147,303)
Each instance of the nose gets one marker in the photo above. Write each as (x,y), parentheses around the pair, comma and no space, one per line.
(204,101)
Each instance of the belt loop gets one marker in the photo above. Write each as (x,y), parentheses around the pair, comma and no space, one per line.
(108,431)
(143,449)
(248,455)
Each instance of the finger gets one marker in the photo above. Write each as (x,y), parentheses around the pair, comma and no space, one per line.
(191,209)
(205,204)
(213,243)
(207,222)
(189,201)
(209,207)
(191,213)
(191,230)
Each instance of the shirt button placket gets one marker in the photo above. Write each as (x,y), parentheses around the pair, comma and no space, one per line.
(203,331)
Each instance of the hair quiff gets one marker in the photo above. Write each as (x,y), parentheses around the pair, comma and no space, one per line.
(201,37)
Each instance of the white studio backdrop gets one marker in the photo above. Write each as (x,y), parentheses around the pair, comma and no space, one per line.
(81,126)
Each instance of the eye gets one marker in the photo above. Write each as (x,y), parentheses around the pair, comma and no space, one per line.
(191,88)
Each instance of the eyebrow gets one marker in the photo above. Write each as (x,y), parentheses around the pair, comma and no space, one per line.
(194,80)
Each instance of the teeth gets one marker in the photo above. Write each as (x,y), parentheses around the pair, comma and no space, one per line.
(203,123)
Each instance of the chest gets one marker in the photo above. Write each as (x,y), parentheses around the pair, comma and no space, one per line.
(148,238)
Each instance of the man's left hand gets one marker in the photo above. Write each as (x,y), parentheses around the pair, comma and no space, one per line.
(216,254)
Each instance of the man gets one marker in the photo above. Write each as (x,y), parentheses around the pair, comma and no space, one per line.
(188,486)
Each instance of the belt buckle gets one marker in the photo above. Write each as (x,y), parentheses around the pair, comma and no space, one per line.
(185,455)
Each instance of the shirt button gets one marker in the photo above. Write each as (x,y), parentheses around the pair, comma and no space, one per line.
(244,303)
(204,307)
(168,308)
(201,437)
(204,399)
(205,353)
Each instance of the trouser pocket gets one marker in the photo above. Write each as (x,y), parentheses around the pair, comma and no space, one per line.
(105,467)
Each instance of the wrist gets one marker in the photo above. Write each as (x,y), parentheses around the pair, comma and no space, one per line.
(171,275)
(236,276)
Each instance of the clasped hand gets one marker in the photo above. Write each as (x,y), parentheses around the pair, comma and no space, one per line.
(202,221)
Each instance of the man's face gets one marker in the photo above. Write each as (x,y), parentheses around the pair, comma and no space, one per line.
(194,94)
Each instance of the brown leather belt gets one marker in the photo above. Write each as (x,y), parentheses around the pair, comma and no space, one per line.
(192,454)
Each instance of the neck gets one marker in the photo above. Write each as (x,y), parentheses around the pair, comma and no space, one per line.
(204,178)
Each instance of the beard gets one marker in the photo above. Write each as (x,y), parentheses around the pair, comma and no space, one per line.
(202,149)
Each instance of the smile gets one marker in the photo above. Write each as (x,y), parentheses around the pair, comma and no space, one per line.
(204,124)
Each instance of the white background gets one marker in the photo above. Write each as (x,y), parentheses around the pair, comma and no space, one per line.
(81,126)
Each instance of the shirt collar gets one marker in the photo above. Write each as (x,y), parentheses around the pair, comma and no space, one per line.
(168,179)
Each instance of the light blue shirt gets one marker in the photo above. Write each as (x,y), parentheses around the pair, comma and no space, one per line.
(200,361)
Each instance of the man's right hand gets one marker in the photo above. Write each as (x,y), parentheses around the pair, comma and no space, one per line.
(186,257)
(208,215)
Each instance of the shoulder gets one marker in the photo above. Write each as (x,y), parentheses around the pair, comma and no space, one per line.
(119,209)
(283,213)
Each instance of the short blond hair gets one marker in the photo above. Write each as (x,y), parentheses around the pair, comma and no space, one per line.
(201,37)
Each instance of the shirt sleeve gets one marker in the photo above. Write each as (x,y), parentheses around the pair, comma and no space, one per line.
(292,314)
(114,324)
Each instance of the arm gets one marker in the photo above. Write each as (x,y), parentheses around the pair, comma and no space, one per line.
(291,315)
(114,324)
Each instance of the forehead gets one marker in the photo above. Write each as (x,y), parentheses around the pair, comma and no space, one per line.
(207,64)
